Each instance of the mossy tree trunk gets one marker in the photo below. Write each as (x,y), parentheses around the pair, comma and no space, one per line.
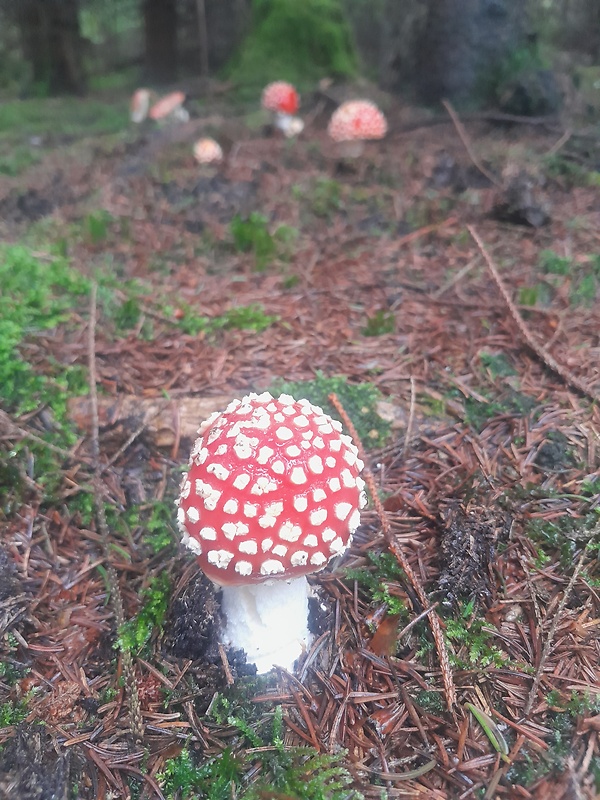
(160,31)
(464,41)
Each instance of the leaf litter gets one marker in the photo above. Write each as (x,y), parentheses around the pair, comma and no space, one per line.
(488,486)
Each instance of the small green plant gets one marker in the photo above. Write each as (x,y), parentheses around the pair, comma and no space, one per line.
(562,536)
(478,412)
(136,632)
(496,364)
(96,226)
(379,324)
(554,264)
(13,712)
(35,296)
(250,317)
(562,724)
(251,235)
(430,700)
(375,579)
(325,197)
(159,529)
(296,772)
(182,778)
(584,290)
(360,401)
(471,636)
(568,172)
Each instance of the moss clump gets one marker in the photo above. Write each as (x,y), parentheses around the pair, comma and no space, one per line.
(359,400)
(294,41)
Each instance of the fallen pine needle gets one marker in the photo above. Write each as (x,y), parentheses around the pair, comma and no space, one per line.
(541,352)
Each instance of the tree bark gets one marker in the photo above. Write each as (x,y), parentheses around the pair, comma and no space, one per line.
(464,42)
(160,29)
(203,38)
(52,43)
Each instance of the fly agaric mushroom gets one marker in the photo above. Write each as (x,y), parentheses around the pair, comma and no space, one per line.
(353,123)
(170,107)
(207,151)
(140,105)
(272,493)
(282,99)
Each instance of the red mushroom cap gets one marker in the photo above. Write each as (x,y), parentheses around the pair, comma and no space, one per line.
(166,105)
(280,96)
(273,491)
(357,119)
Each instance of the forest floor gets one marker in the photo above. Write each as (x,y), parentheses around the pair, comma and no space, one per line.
(450,297)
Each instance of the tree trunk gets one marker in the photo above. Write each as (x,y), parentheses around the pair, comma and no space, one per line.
(52,44)
(160,28)
(463,44)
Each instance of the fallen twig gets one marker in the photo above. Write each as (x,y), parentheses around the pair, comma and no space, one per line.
(541,352)
(397,551)
(460,129)
(410,237)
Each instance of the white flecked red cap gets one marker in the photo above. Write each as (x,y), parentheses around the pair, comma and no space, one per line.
(273,491)
(280,96)
(357,119)
(166,105)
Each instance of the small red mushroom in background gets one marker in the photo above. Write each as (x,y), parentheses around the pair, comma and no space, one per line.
(170,107)
(282,99)
(273,493)
(207,151)
(353,123)
(139,105)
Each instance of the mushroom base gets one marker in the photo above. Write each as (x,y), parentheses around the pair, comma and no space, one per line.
(269,621)
(352,148)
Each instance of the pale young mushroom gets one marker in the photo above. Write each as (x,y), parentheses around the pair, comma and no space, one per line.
(139,105)
(207,151)
(272,493)
(355,122)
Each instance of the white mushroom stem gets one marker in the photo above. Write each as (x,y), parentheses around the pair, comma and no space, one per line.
(351,148)
(269,621)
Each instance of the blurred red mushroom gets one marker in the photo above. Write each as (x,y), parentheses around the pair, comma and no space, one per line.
(273,493)
(353,123)
(170,107)
(282,99)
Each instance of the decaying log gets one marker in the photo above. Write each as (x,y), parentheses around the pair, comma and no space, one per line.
(168,421)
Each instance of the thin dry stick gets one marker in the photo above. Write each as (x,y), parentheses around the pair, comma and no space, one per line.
(541,352)
(454,279)
(397,551)
(460,129)
(410,237)
(560,143)
(116,598)
(411,417)
(551,632)
(129,441)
